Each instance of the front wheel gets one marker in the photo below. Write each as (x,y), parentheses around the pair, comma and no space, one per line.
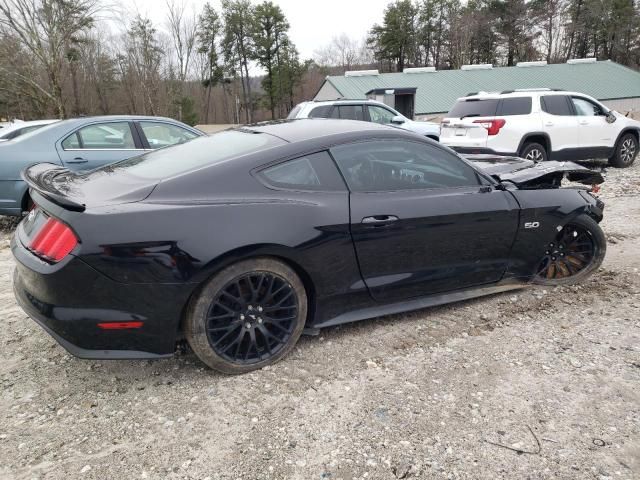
(249,315)
(535,152)
(576,252)
(626,151)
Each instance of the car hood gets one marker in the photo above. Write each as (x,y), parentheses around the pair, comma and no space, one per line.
(528,173)
(79,190)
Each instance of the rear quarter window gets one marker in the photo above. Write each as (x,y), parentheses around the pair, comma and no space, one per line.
(474,108)
(311,172)
(514,106)
(320,112)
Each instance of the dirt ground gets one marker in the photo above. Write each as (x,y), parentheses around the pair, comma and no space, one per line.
(439,393)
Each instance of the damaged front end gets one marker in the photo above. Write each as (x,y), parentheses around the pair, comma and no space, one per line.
(528,175)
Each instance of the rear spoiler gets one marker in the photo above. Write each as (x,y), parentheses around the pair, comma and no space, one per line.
(42,177)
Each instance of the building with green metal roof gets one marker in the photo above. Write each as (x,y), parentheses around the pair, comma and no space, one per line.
(437,90)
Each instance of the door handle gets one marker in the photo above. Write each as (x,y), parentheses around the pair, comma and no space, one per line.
(77,160)
(584,122)
(379,220)
(548,124)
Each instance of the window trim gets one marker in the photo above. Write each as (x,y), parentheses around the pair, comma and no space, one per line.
(134,134)
(259,176)
(479,175)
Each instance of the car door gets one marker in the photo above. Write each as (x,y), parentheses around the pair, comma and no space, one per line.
(97,144)
(156,135)
(595,134)
(559,123)
(422,220)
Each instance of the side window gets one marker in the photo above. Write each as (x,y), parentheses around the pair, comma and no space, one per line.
(71,142)
(164,134)
(514,106)
(401,165)
(351,112)
(380,115)
(113,135)
(320,112)
(556,105)
(586,108)
(311,172)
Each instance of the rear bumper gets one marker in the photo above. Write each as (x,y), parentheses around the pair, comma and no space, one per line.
(70,300)
(481,150)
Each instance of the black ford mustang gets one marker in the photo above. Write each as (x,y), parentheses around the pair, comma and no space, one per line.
(239,241)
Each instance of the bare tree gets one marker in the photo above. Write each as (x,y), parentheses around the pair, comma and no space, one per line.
(183,28)
(343,51)
(46,28)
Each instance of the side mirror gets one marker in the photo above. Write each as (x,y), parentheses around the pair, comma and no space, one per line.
(398,120)
(611,117)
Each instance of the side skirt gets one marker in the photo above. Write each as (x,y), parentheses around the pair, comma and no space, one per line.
(418,303)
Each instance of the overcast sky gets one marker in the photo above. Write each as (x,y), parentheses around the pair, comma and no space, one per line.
(313,23)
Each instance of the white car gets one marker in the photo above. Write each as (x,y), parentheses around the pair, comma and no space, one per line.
(16,129)
(365,110)
(541,124)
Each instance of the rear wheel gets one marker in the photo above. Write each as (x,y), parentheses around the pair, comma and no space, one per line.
(249,315)
(535,152)
(626,151)
(576,252)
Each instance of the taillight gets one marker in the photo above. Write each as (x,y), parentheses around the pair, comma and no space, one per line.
(493,126)
(54,241)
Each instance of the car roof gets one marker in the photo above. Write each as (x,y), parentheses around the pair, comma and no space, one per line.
(298,130)
(347,101)
(17,126)
(111,118)
(518,93)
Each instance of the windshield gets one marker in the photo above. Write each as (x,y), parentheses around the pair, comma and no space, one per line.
(474,108)
(171,161)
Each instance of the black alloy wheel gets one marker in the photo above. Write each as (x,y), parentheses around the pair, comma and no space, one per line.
(252,318)
(247,316)
(577,250)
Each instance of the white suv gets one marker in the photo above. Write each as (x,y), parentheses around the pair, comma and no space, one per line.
(541,124)
(366,110)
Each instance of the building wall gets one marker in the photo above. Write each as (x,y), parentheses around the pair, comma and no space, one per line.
(327,92)
(625,105)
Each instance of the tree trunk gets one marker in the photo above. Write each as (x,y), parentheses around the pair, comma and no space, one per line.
(57,94)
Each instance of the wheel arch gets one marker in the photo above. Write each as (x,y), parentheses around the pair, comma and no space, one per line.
(281,253)
(26,199)
(536,137)
(632,130)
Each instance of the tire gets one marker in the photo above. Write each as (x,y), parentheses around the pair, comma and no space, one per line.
(534,151)
(27,203)
(241,312)
(626,151)
(593,234)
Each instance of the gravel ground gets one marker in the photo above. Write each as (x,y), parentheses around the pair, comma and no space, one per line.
(447,392)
